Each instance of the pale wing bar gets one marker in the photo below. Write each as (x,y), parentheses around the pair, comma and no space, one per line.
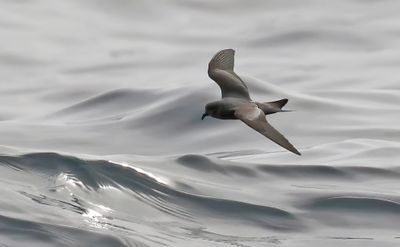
(255,118)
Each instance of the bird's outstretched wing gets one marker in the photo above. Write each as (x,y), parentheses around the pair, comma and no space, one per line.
(255,118)
(220,69)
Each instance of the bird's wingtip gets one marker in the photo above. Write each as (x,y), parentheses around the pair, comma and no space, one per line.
(226,50)
(297,152)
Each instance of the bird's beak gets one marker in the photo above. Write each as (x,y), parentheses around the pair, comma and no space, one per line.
(204,115)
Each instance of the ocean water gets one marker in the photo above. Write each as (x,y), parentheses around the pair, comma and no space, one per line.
(101,142)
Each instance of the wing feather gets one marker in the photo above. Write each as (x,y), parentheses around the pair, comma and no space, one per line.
(220,69)
(255,118)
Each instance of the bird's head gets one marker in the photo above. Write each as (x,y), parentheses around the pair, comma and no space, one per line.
(209,110)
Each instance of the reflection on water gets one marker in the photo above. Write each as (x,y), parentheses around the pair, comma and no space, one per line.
(141,171)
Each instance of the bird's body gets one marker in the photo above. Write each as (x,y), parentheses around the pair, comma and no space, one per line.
(236,102)
(225,108)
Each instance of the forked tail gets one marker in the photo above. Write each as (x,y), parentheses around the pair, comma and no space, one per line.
(273,107)
(278,104)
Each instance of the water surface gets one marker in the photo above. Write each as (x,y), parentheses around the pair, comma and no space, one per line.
(102,142)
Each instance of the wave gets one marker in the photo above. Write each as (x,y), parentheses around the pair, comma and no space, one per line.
(109,103)
(232,165)
(205,164)
(93,176)
(357,204)
(363,211)
(88,187)
(14,232)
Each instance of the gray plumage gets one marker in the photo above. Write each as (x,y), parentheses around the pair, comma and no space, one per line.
(236,102)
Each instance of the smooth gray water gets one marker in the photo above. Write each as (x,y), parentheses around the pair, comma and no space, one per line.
(102,142)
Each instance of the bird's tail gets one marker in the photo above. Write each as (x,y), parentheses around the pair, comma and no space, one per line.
(279,103)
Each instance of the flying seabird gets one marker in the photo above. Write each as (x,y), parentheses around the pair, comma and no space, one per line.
(236,102)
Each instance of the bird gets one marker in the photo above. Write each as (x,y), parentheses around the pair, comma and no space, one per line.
(236,102)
